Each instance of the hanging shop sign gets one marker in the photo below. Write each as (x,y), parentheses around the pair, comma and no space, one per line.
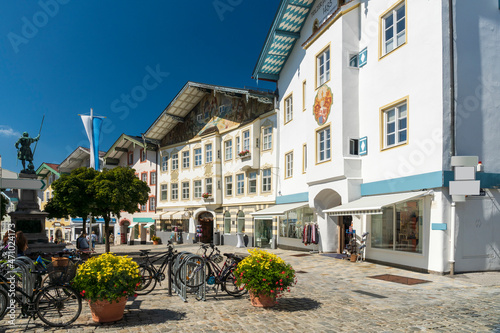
(322,104)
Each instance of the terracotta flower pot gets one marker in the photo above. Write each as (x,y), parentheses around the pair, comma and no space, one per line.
(261,300)
(156,242)
(105,312)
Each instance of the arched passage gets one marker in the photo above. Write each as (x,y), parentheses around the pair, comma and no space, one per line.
(328,225)
(205,227)
(124,230)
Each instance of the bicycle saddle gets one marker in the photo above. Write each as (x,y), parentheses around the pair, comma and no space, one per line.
(145,251)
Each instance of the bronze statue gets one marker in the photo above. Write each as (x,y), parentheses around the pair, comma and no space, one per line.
(24,153)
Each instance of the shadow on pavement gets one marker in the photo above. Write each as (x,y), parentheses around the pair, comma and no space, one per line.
(290,304)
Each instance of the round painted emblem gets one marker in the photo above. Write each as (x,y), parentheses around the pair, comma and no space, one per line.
(322,104)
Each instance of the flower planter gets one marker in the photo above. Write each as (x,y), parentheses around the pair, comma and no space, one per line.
(261,300)
(105,312)
(156,242)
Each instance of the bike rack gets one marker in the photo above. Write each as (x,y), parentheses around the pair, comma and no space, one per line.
(24,266)
(181,289)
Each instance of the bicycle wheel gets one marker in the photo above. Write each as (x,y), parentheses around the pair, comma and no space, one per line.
(4,299)
(190,273)
(148,281)
(58,306)
(230,286)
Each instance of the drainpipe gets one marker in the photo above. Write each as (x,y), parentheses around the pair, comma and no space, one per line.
(452,131)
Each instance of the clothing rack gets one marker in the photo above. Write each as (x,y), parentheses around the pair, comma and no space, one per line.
(310,236)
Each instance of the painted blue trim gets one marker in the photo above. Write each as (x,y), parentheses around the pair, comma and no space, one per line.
(100,220)
(404,184)
(143,220)
(291,198)
(439,226)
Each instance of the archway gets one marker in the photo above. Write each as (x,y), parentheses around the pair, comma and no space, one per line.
(205,227)
(123,231)
(329,227)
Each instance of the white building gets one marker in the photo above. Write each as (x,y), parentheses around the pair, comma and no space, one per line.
(367,129)
(217,164)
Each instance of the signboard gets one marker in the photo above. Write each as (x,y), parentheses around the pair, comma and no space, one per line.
(362,57)
(363,146)
(23,184)
(323,9)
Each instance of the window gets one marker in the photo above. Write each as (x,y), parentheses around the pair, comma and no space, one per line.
(185,159)
(197,189)
(323,67)
(143,155)
(185,191)
(241,221)
(164,191)
(208,185)
(229,185)
(289,165)
(175,191)
(353,60)
(288,109)
(175,161)
(208,153)
(291,225)
(144,207)
(152,178)
(395,125)
(152,203)
(130,157)
(228,148)
(240,184)
(164,163)
(252,182)
(267,137)
(399,227)
(393,29)
(144,177)
(246,140)
(304,158)
(353,146)
(238,145)
(266,180)
(304,89)
(227,222)
(323,145)
(197,157)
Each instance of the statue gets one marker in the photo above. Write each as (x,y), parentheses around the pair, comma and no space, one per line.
(24,153)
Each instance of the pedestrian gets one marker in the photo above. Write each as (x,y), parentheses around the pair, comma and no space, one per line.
(111,239)
(82,243)
(93,239)
(21,243)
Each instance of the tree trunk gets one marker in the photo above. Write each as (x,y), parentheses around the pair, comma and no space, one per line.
(106,233)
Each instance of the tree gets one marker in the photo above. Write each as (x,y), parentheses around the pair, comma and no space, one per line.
(72,195)
(115,191)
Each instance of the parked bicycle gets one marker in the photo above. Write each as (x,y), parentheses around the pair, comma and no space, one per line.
(216,276)
(151,274)
(56,305)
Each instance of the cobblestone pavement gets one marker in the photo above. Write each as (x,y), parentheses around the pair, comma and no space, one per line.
(331,295)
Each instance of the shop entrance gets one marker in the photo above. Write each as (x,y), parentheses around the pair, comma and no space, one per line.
(123,231)
(263,233)
(345,223)
(205,228)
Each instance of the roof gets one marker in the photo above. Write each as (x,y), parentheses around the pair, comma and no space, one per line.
(281,38)
(45,168)
(187,98)
(373,204)
(76,159)
(122,143)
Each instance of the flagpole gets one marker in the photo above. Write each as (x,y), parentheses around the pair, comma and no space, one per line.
(91,156)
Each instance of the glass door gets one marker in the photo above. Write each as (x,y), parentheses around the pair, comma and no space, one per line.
(263,233)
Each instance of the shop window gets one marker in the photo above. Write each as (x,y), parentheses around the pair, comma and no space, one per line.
(241,221)
(227,222)
(399,227)
(292,224)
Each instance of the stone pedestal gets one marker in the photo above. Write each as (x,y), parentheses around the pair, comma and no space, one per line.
(31,221)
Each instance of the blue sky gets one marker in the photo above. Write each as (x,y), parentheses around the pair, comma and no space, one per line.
(59,58)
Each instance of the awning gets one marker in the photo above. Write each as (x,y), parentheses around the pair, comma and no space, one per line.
(132,225)
(278,210)
(373,204)
(168,215)
(143,220)
(99,220)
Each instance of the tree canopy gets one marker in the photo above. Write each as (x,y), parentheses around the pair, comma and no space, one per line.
(86,191)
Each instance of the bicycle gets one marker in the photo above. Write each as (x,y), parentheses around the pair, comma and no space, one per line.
(150,274)
(217,276)
(56,305)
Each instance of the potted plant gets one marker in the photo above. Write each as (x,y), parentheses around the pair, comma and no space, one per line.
(106,282)
(156,240)
(207,195)
(244,153)
(266,277)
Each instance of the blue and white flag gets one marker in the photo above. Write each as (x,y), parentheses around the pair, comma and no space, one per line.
(93,128)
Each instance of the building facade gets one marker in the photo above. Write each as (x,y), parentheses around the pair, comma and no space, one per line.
(367,128)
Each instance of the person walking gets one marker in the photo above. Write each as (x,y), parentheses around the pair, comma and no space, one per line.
(93,239)
(81,243)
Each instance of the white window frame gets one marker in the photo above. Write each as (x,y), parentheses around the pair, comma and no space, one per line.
(208,153)
(289,108)
(324,144)
(246,140)
(152,203)
(185,159)
(164,163)
(144,179)
(266,180)
(240,184)
(238,144)
(267,138)
(152,176)
(228,150)
(397,109)
(228,188)
(174,190)
(289,165)
(185,190)
(164,192)
(252,182)
(304,158)
(175,161)
(197,157)
(398,37)
(323,63)
(197,186)
(209,185)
